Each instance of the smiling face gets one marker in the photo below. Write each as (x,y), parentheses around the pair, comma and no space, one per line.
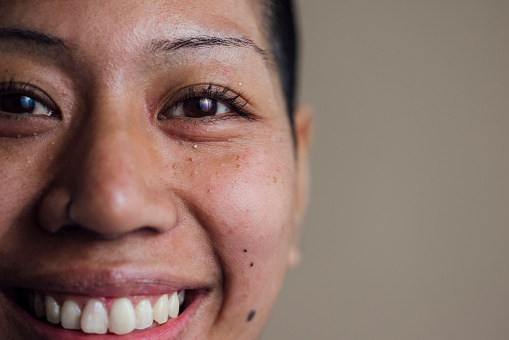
(160,128)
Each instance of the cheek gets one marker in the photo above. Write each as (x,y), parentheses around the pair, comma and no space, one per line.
(246,200)
(22,174)
(245,205)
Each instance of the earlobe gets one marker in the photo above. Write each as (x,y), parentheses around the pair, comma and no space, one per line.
(303,119)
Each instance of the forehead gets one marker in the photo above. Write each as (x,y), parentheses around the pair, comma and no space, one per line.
(131,22)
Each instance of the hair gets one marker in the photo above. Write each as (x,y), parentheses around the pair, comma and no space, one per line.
(279,16)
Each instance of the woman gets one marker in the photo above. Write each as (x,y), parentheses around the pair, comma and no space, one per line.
(153,168)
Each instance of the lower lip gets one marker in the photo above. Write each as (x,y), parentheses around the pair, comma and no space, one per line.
(172,329)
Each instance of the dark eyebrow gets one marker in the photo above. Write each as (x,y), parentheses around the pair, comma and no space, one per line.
(205,41)
(30,36)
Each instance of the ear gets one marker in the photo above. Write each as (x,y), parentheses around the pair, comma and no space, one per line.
(303,120)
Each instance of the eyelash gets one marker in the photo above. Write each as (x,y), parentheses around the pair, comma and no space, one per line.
(233,100)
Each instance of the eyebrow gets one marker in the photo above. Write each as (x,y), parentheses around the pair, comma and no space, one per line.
(31,37)
(205,41)
(39,39)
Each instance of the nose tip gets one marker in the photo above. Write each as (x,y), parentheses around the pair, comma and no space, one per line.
(114,209)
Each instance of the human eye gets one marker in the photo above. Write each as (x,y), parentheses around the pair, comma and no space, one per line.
(22,100)
(205,103)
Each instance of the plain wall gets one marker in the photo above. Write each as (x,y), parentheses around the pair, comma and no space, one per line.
(407,236)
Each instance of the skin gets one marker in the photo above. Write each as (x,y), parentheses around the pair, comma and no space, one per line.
(163,203)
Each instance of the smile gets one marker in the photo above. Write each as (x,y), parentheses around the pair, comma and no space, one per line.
(101,315)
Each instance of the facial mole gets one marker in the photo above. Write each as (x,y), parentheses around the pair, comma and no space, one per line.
(252,264)
(245,250)
(251,315)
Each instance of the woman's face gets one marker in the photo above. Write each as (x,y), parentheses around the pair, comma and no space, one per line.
(160,128)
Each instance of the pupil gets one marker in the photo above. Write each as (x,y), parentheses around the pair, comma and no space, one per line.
(27,103)
(206,104)
(200,107)
(14,103)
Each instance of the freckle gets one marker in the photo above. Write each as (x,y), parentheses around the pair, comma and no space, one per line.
(275,179)
(251,315)
(191,159)
(209,190)
(195,146)
(239,166)
(237,157)
(236,181)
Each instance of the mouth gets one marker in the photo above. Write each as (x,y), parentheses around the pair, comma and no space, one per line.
(79,314)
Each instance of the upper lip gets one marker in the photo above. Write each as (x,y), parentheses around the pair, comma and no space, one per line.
(106,282)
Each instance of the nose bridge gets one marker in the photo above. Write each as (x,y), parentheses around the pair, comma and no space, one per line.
(112,163)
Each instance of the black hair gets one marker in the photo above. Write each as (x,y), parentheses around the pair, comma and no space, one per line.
(282,37)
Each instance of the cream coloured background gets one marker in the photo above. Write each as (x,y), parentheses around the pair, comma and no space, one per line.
(407,236)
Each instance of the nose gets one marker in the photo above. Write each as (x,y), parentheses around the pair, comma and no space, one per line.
(110,182)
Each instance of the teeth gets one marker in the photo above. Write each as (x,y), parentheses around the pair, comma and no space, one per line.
(52,310)
(39,308)
(160,310)
(143,312)
(181,296)
(71,315)
(122,318)
(94,318)
(173,305)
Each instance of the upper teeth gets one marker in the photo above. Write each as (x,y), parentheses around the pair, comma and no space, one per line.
(123,317)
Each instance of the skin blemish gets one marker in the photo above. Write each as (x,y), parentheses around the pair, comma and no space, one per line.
(245,250)
(195,146)
(251,315)
(252,264)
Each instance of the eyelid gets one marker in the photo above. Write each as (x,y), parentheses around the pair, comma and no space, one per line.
(238,104)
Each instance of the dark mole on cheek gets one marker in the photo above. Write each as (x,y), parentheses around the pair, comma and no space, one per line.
(245,250)
(251,315)
(251,264)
